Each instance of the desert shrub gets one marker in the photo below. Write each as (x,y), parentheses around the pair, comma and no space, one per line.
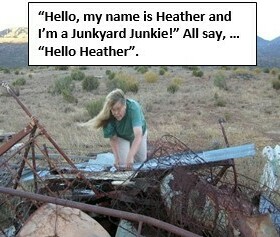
(61,68)
(191,68)
(151,77)
(19,82)
(257,70)
(90,83)
(77,75)
(110,74)
(177,80)
(266,70)
(94,107)
(219,101)
(276,84)
(273,71)
(83,68)
(63,84)
(69,97)
(124,81)
(220,82)
(142,69)
(162,70)
(225,68)
(172,88)
(6,71)
(197,73)
(16,72)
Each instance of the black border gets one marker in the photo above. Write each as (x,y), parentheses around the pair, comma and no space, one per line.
(149,64)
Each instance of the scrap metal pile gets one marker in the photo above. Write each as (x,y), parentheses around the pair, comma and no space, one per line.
(176,192)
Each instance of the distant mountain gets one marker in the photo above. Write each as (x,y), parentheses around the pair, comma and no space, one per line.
(268,52)
(14,49)
(14,35)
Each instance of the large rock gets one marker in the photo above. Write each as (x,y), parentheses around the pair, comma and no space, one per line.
(54,220)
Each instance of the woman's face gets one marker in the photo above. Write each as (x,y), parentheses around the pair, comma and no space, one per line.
(118,110)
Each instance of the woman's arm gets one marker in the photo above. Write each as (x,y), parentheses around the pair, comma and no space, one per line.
(115,149)
(134,146)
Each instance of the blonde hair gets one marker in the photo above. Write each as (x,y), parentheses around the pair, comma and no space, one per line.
(105,114)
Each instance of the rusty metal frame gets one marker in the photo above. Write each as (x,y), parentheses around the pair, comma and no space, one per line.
(31,129)
(103,211)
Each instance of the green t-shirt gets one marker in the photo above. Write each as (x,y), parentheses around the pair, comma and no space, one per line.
(133,117)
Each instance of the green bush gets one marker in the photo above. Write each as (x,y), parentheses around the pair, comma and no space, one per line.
(125,82)
(266,70)
(6,71)
(151,77)
(110,74)
(276,84)
(172,88)
(274,71)
(163,70)
(63,84)
(191,68)
(197,73)
(94,107)
(77,75)
(142,69)
(220,82)
(83,68)
(226,68)
(90,83)
(19,82)
(61,68)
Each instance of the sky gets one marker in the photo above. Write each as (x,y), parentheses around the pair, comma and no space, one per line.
(14,13)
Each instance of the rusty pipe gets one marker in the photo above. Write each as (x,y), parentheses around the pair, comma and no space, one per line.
(101,210)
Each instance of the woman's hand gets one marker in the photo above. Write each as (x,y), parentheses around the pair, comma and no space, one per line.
(117,163)
(129,162)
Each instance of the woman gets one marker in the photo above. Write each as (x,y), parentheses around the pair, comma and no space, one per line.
(124,124)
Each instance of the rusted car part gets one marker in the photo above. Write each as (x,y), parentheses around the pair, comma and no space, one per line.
(103,211)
